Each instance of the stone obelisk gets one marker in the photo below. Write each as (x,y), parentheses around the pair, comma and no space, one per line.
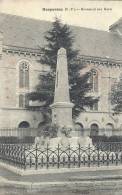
(62,107)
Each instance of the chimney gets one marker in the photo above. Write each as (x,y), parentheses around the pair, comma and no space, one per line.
(116,27)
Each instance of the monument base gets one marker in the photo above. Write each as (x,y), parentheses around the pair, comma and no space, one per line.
(64,142)
(62,114)
(73,142)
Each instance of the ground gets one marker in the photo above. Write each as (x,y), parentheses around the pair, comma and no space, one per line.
(76,183)
(59,192)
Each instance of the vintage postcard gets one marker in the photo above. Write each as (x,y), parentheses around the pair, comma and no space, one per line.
(60,97)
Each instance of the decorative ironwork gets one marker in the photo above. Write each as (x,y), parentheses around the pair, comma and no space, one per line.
(35,157)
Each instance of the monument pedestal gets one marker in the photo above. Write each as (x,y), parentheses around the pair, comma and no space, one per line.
(74,142)
(62,114)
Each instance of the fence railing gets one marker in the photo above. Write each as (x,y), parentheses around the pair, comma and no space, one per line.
(22,132)
(18,132)
(36,157)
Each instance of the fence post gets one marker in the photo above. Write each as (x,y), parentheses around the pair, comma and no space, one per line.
(9,153)
(36,158)
(24,158)
(4,149)
(117,159)
(21,150)
(98,157)
(47,156)
(89,156)
(58,156)
(107,158)
(69,157)
(79,157)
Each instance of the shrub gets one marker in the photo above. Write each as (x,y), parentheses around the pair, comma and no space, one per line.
(66,131)
(50,130)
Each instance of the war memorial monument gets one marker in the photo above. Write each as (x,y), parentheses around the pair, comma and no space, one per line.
(70,159)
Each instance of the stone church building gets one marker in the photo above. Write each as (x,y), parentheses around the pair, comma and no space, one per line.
(20,42)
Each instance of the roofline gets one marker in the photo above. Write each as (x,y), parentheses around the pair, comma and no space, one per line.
(24,17)
(119,21)
(16,48)
(101,59)
(96,59)
(47,21)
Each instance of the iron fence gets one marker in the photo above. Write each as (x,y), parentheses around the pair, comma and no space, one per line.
(21,132)
(18,132)
(36,157)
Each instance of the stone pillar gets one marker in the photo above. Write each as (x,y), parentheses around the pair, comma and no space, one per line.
(62,107)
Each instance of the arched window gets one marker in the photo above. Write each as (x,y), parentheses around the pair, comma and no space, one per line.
(24,124)
(109,129)
(24,75)
(94,130)
(41,124)
(94,80)
(79,129)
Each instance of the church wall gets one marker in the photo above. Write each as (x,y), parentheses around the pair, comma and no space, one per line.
(11,118)
(1,43)
(107,75)
(9,74)
(102,119)
(9,93)
(105,86)
(10,113)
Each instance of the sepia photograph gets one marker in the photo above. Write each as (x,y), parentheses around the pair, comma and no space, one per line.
(60,97)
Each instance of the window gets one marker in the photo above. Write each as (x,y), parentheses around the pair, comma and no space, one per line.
(26,101)
(23,84)
(94,130)
(24,75)
(94,80)
(113,83)
(109,129)
(24,124)
(79,129)
(23,101)
(94,107)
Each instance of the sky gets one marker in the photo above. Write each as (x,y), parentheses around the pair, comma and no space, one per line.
(92,14)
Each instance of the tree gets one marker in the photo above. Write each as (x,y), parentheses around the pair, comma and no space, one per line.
(116,96)
(59,36)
